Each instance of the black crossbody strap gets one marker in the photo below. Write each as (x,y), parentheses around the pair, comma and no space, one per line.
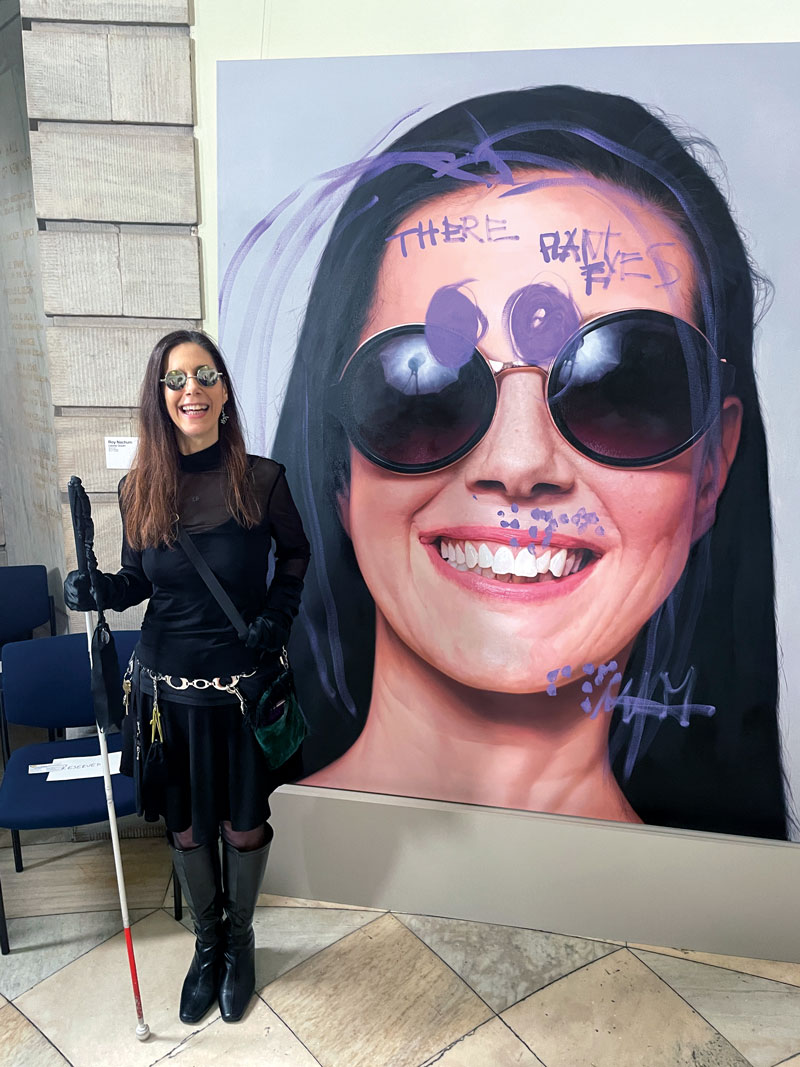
(208,576)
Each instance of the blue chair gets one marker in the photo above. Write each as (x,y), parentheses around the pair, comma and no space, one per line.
(47,683)
(25,604)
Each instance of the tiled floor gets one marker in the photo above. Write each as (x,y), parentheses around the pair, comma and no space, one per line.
(348,987)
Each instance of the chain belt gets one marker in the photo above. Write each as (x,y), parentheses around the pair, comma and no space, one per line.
(178,683)
(199,683)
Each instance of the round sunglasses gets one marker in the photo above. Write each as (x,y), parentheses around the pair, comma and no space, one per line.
(177,379)
(630,389)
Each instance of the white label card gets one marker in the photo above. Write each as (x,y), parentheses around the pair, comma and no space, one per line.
(120,452)
(65,768)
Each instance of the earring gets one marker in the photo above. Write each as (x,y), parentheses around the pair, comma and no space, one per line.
(223,417)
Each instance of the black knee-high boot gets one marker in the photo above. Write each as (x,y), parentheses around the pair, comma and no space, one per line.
(242,874)
(198,871)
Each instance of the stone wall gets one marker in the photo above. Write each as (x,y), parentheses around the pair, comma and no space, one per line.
(110,110)
(30,526)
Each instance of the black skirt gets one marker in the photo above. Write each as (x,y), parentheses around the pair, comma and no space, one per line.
(208,769)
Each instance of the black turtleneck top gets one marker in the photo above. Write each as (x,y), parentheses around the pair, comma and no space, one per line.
(184,631)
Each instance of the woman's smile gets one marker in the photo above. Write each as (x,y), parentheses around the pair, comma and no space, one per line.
(498,563)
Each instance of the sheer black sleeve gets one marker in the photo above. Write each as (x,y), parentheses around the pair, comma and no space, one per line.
(130,585)
(292,550)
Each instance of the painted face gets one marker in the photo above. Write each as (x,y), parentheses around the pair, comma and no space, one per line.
(440,552)
(195,409)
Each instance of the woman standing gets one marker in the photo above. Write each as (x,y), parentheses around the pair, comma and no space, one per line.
(190,667)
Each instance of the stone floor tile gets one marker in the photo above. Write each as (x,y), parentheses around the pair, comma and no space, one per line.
(492,1043)
(759,1017)
(377,998)
(260,1038)
(617,1013)
(21,1044)
(286,937)
(68,877)
(503,964)
(44,944)
(773,969)
(103,1033)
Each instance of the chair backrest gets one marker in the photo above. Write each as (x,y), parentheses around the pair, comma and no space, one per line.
(47,682)
(24,601)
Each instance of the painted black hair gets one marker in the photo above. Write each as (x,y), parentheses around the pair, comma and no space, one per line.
(716,631)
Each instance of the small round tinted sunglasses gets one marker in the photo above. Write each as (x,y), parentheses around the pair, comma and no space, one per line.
(177,379)
(630,389)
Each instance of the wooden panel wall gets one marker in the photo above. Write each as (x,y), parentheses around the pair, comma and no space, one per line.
(109,98)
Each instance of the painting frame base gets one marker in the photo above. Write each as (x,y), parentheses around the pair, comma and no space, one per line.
(584,877)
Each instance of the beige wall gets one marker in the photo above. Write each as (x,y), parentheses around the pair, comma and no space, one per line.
(282,29)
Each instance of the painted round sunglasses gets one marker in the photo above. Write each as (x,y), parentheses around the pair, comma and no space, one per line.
(630,389)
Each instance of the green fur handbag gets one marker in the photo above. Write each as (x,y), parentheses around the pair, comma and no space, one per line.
(275,717)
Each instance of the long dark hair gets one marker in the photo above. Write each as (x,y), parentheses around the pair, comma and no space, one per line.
(150,490)
(712,644)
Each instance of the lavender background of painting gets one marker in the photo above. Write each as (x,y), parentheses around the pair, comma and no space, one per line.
(282,122)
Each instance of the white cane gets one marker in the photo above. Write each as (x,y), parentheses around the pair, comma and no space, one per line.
(142,1029)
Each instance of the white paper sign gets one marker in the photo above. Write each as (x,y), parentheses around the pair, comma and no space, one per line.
(68,767)
(119,452)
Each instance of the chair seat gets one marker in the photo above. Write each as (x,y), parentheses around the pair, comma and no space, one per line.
(30,802)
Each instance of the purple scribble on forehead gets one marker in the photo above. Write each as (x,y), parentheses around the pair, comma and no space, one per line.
(453,325)
(539,319)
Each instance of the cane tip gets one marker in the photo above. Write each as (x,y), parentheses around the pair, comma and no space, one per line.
(142,1031)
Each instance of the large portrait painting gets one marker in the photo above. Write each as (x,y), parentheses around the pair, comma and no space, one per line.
(506,320)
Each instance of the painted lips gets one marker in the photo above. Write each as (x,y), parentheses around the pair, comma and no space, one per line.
(489,560)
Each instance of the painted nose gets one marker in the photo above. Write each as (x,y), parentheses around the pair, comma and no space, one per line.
(522,456)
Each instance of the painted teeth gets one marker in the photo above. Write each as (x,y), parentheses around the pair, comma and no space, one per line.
(525,564)
(557,563)
(506,564)
(503,561)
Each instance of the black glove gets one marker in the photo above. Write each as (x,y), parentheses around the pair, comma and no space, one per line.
(268,633)
(78,592)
